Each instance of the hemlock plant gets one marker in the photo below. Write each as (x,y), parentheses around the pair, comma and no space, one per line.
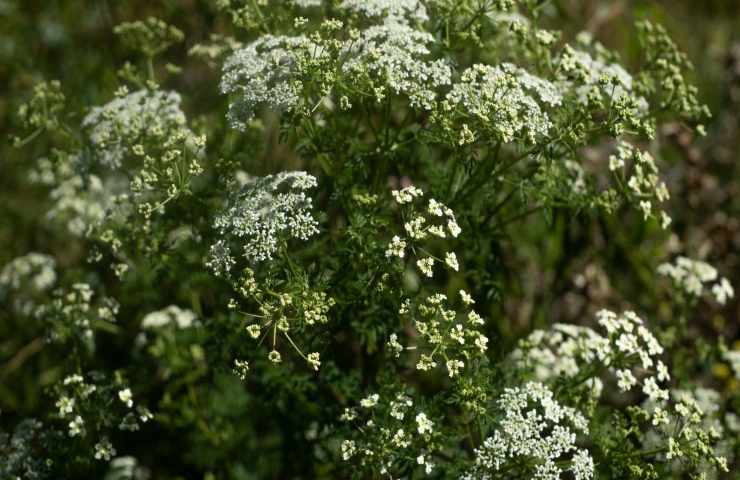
(330,305)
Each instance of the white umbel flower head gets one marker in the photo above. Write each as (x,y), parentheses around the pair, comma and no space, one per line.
(264,74)
(263,213)
(424,425)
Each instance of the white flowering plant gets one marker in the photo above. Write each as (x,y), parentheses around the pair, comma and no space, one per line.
(295,250)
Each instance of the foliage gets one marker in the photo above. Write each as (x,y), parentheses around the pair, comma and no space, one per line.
(313,271)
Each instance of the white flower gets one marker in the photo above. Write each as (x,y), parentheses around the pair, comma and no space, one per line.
(406,195)
(453,227)
(274,356)
(391,11)
(394,346)
(370,401)
(435,208)
(425,265)
(263,74)
(76,426)
(348,415)
(582,466)
(424,425)
(395,57)
(499,98)
(36,269)
(663,375)
(261,214)
(171,315)
(399,439)
(457,334)
(625,380)
(65,405)
(466,298)
(254,330)
(399,406)
(722,291)
(397,248)
(454,367)
(665,220)
(475,319)
(416,228)
(126,397)
(615,162)
(651,389)
(533,426)
(451,261)
(348,449)
(425,363)
(437,231)
(104,450)
(133,116)
(314,360)
(692,275)
(660,417)
(481,341)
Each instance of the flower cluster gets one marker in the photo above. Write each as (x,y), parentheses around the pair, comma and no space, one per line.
(26,277)
(74,312)
(535,436)
(637,170)
(393,57)
(266,73)
(391,435)
(77,401)
(134,116)
(172,315)
(434,221)
(444,336)
(570,351)
(692,277)
(498,101)
(389,11)
(261,217)
(685,429)
(148,129)
(282,314)
(595,73)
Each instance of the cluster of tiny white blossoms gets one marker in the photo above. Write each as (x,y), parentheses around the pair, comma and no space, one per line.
(172,315)
(130,117)
(390,434)
(628,350)
(78,203)
(36,270)
(498,101)
(25,278)
(72,312)
(444,336)
(76,405)
(281,314)
(637,169)
(693,276)
(630,353)
(436,220)
(148,127)
(261,216)
(389,11)
(685,428)
(265,73)
(597,73)
(392,57)
(536,436)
